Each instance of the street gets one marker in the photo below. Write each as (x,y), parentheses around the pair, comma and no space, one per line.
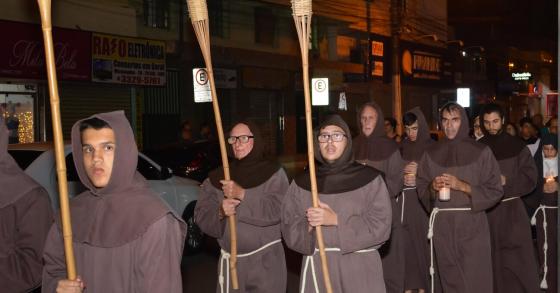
(200,270)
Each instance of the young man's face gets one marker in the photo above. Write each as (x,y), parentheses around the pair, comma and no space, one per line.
(553,128)
(451,122)
(98,147)
(526,130)
(368,119)
(492,123)
(332,150)
(412,131)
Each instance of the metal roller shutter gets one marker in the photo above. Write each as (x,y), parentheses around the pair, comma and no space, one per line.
(78,101)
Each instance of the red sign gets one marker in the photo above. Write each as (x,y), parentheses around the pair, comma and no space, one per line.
(22,54)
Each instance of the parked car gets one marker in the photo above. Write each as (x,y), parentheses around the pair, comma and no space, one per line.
(193,160)
(180,194)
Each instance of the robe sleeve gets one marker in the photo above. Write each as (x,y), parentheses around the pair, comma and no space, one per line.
(424,183)
(159,257)
(261,205)
(525,177)
(55,263)
(394,173)
(206,210)
(488,191)
(372,227)
(34,218)
(294,223)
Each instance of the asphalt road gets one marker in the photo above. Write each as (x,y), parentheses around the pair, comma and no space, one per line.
(200,270)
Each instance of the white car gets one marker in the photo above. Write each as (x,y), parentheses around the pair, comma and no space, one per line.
(181,194)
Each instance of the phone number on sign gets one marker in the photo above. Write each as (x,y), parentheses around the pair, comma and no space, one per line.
(141,80)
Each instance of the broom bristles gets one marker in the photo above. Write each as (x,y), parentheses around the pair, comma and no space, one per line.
(197,10)
(301,7)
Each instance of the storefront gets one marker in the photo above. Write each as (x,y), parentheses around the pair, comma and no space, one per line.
(96,73)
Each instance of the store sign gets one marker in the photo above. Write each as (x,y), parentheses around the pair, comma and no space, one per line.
(421,65)
(521,75)
(124,60)
(22,54)
(464,97)
(201,86)
(320,91)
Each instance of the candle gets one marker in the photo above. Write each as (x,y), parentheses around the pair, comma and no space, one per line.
(549,179)
(444,194)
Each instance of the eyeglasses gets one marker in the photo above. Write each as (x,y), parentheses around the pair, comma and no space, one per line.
(241,138)
(335,137)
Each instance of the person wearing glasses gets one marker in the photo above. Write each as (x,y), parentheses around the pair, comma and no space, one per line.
(354,213)
(254,195)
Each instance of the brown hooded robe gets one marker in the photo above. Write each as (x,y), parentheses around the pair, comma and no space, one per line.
(383,154)
(462,249)
(359,197)
(415,217)
(513,256)
(25,218)
(258,220)
(125,238)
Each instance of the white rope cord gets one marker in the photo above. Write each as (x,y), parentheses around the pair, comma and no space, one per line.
(309,260)
(403,200)
(224,259)
(542,208)
(509,198)
(432,222)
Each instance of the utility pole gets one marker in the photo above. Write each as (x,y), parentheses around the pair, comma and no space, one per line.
(368,61)
(396,24)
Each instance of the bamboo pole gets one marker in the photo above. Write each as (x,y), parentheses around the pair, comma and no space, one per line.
(198,12)
(46,23)
(302,18)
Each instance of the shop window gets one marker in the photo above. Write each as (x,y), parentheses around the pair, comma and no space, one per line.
(265,26)
(219,18)
(17,111)
(156,13)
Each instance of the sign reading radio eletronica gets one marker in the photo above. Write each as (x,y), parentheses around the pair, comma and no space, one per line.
(117,59)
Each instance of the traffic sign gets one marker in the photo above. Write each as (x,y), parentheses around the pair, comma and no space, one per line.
(320,91)
(201,86)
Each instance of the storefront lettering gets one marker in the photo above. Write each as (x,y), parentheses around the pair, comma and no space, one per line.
(27,53)
(427,63)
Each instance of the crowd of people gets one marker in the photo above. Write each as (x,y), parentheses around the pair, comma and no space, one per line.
(398,213)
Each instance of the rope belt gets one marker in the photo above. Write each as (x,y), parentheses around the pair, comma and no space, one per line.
(402,196)
(432,222)
(542,208)
(510,198)
(224,259)
(309,260)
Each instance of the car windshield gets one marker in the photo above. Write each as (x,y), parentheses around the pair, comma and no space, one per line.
(24,158)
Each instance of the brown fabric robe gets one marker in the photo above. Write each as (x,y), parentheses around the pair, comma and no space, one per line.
(461,238)
(513,257)
(383,154)
(125,238)
(359,197)
(25,218)
(258,223)
(415,217)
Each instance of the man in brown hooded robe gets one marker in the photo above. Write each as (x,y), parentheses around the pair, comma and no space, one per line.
(354,212)
(413,216)
(459,228)
(25,218)
(254,194)
(513,257)
(374,149)
(125,238)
